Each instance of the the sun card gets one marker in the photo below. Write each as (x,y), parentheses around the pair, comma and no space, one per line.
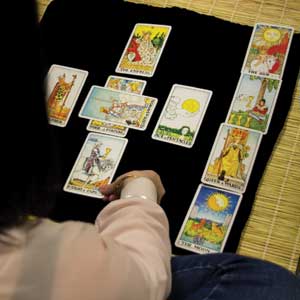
(95,165)
(63,87)
(209,219)
(143,49)
(130,85)
(126,109)
(232,157)
(268,50)
(253,102)
(182,115)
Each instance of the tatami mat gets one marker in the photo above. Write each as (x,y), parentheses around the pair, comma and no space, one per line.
(273,229)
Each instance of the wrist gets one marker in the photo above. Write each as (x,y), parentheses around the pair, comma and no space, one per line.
(139,187)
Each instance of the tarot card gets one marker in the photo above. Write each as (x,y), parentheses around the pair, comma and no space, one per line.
(129,85)
(63,86)
(268,50)
(207,224)
(232,157)
(182,115)
(253,102)
(95,165)
(143,49)
(123,84)
(130,110)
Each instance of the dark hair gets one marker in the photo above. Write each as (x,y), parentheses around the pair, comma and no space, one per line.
(29,168)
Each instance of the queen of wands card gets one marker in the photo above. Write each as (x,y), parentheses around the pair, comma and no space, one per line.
(232,157)
(209,219)
(143,49)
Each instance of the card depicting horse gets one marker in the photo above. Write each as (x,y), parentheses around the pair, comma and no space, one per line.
(182,115)
(253,102)
(268,50)
(95,165)
(119,83)
(143,49)
(232,157)
(63,86)
(130,110)
(209,219)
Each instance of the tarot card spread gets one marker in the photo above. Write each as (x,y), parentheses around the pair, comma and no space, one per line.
(95,165)
(130,110)
(267,51)
(232,157)
(208,221)
(143,49)
(253,103)
(63,87)
(182,115)
(129,85)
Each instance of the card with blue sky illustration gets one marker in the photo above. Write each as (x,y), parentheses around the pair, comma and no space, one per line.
(208,221)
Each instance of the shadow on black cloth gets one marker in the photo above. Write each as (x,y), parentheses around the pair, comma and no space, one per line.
(202,51)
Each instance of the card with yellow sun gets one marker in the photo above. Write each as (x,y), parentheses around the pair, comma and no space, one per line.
(209,219)
(268,50)
(182,115)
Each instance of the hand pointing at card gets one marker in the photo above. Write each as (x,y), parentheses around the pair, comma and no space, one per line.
(144,184)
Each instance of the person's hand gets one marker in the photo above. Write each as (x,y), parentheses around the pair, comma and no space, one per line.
(112,191)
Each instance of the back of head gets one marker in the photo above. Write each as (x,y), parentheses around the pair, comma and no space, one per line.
(28,176)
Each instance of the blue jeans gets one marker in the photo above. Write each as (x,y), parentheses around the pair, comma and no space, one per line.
(227,276)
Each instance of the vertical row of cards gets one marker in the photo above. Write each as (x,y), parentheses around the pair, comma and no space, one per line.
(211,214)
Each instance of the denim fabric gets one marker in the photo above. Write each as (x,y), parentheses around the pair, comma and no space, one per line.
(229,276)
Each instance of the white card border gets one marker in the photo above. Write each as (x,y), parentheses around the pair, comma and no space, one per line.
(250,167)
(210,93)
(117,70)
(125,140)
(120,92)
(270,111)
(188,214)
(250,43)
(50,121)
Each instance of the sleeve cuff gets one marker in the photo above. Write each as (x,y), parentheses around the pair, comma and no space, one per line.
(140,187)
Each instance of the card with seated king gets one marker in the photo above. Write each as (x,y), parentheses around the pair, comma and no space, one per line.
(182,115)
(63,87)
(268,50)
(121,108)
(209,220)
(232,157)
(95,165)
(254,102)
(120,83)
(143,49)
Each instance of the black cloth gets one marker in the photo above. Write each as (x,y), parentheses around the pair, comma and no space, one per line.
(202,51)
